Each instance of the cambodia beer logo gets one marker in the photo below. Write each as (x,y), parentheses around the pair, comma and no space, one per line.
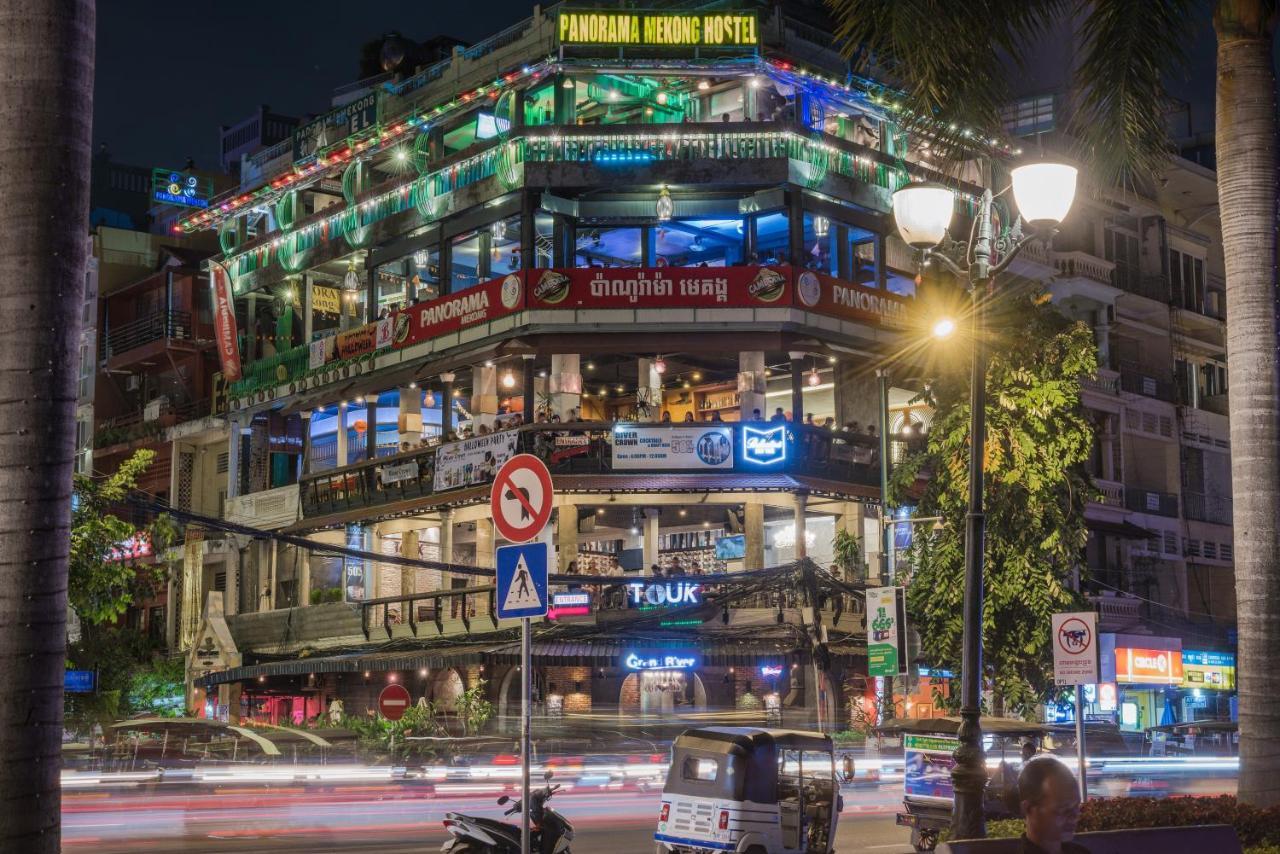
(768,285)
(552,288)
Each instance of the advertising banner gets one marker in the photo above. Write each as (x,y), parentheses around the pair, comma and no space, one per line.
(224,322)
(828,295)
(1211,671)
(473,461)
(658,29)
(1075,648)
(382,332)
(1148,666)
(886,631)
(661,287)
(357,342)
(927,764)
(485,302)
(396,473)
(637,447)
(321,351)
(327,300)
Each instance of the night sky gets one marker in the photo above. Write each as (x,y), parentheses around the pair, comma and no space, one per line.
(169,73)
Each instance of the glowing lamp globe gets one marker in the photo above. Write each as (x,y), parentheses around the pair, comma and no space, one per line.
(922,213)
(1044,191)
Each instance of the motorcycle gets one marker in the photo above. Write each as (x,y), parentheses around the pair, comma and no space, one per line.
(549,831)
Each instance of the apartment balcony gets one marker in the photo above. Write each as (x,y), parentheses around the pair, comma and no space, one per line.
(1207,508)
(144,338)
(1112,493)
(150,422)
(1138,379)
(1215,403)
(1154,503)
(1115,610)
(268,509)
(1106,382)
(1083,265)
(581,456)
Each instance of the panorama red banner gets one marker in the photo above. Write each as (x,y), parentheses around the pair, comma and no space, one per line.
(828,295)
(485,302)
(661,287)
(224,322)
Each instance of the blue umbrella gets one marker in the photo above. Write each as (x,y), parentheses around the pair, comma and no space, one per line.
(1167,715)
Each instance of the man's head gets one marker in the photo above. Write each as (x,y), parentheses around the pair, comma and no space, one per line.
(1028,750)
(1050,801)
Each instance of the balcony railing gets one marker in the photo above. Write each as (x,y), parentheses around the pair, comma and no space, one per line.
(1083,265)
(584,448)
(271,371)
(1156,503)
(1112,492)
(1207,508)
(1136,380)
(1119,607)
(160,325)
(149,421)
(1106,382)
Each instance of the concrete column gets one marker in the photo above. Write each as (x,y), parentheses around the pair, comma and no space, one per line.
(530,403)
(229,696)
(566,535)
(171,614)
(231,594)
(1102,338)
(484,558)
(371,427)
(342,458)
(408,548)
(305,415)
(753,534)
(652,518)
(303,578)
(308,322)
(797,387)
(648,391)
(751,385)
(367,540)
(484,394)
(446,536)
(446,405)
(852,520)
(802,500)
(410,426)
(565,383)
(234,453)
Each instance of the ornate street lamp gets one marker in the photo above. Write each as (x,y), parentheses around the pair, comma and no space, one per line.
(1043,192)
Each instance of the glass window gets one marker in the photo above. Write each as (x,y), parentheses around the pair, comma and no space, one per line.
(504,247)
(539,107)
(701,770)
(772,238)
(1029,115)
(608,247)
(697,242)
(543,240)
(820,242)
(728,102)
(413,278)
(465,256)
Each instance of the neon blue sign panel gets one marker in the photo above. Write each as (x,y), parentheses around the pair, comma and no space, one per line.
(179,188)
(764,446)
(660,660)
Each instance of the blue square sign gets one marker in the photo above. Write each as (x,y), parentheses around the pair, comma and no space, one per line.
(522,580)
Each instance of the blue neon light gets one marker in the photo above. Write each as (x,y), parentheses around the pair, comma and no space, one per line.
(764,446)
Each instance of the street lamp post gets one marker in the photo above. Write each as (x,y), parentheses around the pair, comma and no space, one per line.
(1044,193)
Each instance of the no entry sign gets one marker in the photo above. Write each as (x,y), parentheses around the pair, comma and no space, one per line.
(521,498)
(393,702)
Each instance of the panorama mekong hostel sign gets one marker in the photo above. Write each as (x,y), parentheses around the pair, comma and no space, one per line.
(659,29)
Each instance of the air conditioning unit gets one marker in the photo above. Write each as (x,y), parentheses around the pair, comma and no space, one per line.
(133,382)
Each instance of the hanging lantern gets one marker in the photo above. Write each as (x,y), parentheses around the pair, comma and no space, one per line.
(666,206)
(821,226)
(660,365)
(508,380)
(814,379)
(351,281)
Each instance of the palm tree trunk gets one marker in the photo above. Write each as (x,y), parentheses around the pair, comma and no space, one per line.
(46,65)
(1247,173)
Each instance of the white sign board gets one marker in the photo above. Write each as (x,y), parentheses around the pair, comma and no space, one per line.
(399,472)
(1075,648)
(637,447)
(473,461)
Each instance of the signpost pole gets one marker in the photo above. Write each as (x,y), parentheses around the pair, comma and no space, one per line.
(525,664)
(1080,749)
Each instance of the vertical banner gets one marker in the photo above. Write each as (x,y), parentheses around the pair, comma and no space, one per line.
(224,322)
(886,631)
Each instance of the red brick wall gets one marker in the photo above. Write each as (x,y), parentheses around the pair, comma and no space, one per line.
(564,679)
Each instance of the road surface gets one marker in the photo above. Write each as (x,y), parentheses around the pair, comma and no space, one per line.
(384,820)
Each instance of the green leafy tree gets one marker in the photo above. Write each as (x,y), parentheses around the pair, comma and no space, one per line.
(474,709)
(101,586)
(1038,439)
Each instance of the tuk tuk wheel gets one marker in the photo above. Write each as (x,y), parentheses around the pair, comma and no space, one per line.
(924,840)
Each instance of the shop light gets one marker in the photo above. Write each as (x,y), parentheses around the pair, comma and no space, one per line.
(488,363)
(568,83)
(660,365)
(542,375)
(412,384)
(685,384)
(755,82)
(821,226)
(614,95)
(621,389)
(391,677)
(684,512)
(814,379)
(508,380)
(665,207)
(591,366)
(704,85)
(697,375)
(831,360)
(661,97)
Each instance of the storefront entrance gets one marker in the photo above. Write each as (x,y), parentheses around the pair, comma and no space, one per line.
(661,693)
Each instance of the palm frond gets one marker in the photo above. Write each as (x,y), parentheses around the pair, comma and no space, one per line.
(1129,47)
(949,58)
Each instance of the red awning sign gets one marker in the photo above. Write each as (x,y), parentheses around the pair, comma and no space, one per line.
(521,498)
(394,701)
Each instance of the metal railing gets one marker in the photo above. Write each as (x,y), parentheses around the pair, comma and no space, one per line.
(1207,508)
(157,326)
(1106,382)
(270,371)
(816,452)
(1136,380)
(1147,501)
(149,421)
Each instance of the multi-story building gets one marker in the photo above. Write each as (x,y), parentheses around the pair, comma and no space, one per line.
(647,259)
(260,130)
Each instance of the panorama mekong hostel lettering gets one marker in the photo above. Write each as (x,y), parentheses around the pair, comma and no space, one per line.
(688,30)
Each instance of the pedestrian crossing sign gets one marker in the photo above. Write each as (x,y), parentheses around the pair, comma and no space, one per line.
(522,580)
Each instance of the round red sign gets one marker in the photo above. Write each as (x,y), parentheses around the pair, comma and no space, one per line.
(394,701)
(521,498)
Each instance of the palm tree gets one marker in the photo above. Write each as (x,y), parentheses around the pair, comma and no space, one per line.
(46,63)
(952,62)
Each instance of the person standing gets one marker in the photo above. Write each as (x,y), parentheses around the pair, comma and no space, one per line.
(1051,806)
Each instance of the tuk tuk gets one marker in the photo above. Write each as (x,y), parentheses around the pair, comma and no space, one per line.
(750,791)
(928,745)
